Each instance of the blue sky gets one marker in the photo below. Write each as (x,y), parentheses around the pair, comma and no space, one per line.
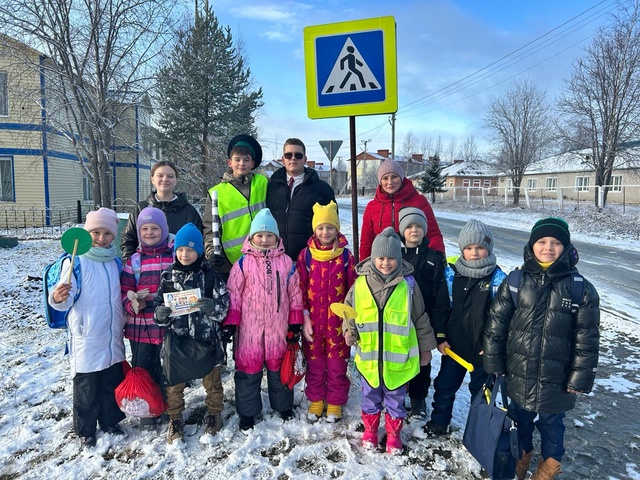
(439,43)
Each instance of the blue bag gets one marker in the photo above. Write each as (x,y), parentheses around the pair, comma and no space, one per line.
(51,278)
(490,435)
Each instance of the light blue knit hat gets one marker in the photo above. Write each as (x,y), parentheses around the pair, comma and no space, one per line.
(264,222)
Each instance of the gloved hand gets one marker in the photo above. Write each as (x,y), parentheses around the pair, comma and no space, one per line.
(218,261)
(205,304)
(293,335)
(228,332)
(350,337)
(162,314)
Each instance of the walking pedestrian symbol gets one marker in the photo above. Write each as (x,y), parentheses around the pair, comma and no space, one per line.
(350,73)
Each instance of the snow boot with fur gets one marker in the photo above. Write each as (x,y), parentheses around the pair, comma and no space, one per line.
(315,410)
(393,426)
(370,436)
(334,413)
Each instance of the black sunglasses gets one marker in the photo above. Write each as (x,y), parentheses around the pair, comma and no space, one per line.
(290,155)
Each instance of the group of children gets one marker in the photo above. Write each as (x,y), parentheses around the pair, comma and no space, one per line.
(408,301)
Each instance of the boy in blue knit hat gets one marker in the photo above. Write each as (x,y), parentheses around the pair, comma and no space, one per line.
(190,270)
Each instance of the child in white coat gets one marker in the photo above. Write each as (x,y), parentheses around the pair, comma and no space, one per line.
(96,330)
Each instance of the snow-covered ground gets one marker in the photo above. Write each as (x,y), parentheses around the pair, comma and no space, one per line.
(36,440)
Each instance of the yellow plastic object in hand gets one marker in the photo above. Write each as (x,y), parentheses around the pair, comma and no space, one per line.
(343,310)
(459,359)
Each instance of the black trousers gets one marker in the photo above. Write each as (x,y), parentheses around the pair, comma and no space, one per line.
(94,400)
(419,385)
(147,356)
(248,393)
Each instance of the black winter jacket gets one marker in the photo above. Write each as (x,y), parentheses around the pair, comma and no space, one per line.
(179,212)
(294,214)
(541,345)
(428,271)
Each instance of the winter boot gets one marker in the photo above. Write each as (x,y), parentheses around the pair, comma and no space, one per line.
(434,430)
(246,424)
(547,469)
(176,430)
(213,423)
(393,426)
(370,436)
(315,410)
(334,413)
(522,466)
(286,415)
(418,408)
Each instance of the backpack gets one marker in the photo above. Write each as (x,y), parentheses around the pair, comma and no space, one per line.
(577,288)
(293,267)
(51,277)
(307,258)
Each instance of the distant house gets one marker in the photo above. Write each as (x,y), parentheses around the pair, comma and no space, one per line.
(367,164)
(469,174)
(337,177)
(39,169)
(570,175)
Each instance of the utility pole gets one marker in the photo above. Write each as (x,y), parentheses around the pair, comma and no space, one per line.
(393,135)
(364,165)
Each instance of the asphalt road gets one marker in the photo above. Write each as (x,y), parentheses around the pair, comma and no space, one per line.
(613,269)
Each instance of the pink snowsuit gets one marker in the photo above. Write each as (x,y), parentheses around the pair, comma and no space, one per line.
(265,298)
(324,282)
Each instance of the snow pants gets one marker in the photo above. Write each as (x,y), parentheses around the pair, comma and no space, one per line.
(94,400)
(326,375)
(550,426)
(375,399)
(248,393)
(212,384)
(419,385)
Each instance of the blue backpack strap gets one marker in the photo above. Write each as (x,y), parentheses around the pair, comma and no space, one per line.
(307,258)
(577,291)
(496,280)
(449,273)
(136,265)
(514,278)
(240,260)
(292,271)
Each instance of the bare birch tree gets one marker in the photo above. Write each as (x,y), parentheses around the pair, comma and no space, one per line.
(469,150)
(602,98)
(520,130)
(100,64)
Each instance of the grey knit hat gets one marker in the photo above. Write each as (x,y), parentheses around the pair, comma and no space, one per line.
(476,233)
(410,215)
(387,244)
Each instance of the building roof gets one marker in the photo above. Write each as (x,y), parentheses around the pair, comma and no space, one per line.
(468,169)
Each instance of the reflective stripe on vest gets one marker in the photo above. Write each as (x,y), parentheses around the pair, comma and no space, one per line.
(236,213)
(400,353)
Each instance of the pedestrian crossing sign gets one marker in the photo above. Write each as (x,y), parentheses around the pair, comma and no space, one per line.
(351,68)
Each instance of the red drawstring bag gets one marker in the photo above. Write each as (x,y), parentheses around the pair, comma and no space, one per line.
(294,365)
(138,395)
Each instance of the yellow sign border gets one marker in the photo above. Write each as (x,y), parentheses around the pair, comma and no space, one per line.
(389,105)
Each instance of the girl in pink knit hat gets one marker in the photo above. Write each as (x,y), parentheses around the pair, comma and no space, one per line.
(96,330)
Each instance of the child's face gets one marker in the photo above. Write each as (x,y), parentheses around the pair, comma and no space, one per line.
(391,183)
(548,249)
(474,252)
(151,234)
(164,179)
(101,237)
(413,235)
(264,239)
(326,234)
(385,265)
(186,255)
(240,164)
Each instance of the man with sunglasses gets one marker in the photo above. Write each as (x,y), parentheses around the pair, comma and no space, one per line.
(291,194)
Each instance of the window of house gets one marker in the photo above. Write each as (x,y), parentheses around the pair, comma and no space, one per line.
(7,191)
(451,182)
(532,184)
(616,183)
(582,184)
(509,185)
(476,183)
(486,183)
(4,93)
(551,184)
(87,189)
(466,183)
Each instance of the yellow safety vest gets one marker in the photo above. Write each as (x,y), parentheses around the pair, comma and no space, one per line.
(236,213)
(398,348)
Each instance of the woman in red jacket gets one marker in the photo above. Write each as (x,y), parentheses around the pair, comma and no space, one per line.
(395,192)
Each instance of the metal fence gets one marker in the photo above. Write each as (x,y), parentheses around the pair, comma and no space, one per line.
(564,197)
